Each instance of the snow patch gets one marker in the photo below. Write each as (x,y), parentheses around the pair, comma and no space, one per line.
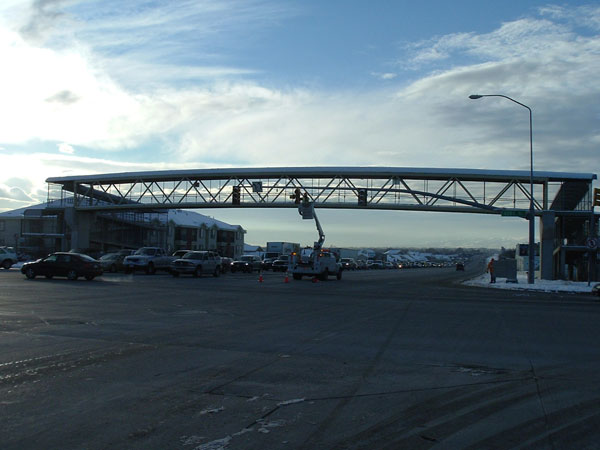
(539,285)
(290,402)
(265,426)
(211,411)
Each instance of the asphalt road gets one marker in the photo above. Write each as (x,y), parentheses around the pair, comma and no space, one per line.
(379,360)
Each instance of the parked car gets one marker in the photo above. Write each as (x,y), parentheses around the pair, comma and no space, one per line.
(247,263)
(361,264)
(596,290)
(267,263)
(348,264)
(280,265)
(148,259)
(112,262)
(91,252)
(378,264)
(63,264)
(8,257)
(179,253)
(226,264)
(197,263)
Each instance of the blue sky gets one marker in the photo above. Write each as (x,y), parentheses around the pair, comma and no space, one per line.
(111,86)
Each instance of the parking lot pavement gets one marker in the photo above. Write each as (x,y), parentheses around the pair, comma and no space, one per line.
(380,359)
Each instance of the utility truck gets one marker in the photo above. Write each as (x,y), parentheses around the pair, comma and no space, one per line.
(314,262)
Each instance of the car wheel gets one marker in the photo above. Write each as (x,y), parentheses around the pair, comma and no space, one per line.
(175,273)
(150,270)
(49,276)
(72,275)
(113,268)
(6,264)
(127,270)
(217,272)
(198,271)
(89,277)
(339,275)
(30,273)
(324,275)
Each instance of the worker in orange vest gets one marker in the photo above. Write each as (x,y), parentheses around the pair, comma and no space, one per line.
(490,270)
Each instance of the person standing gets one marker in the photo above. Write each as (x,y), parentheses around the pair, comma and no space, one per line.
(490,270)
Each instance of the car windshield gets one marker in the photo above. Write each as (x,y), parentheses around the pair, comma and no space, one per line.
(109,257)
(247,258)
(192,255)
(146,251)
(87,258)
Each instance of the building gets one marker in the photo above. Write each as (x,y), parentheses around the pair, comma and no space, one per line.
(193,231)
(48,227)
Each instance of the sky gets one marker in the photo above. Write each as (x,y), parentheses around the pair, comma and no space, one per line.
(110,86)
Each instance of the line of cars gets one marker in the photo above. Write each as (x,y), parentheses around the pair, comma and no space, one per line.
(75,264)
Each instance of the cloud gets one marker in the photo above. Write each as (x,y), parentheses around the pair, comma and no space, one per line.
(44,16)
(14,193)
(384,76)
(65,97)
(66,148)
(542,61)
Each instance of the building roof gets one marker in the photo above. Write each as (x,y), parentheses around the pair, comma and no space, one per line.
(193,219)
(179,217)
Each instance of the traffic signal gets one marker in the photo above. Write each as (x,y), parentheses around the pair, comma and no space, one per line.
(596,197)
(235,195)
(296,196)
(362,197)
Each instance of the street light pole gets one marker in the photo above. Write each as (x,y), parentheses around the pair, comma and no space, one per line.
(531,216)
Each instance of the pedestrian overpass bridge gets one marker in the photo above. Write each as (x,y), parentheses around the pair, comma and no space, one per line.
(562,201)
(446,190)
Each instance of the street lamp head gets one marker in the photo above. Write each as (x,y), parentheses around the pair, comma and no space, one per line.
(475,96)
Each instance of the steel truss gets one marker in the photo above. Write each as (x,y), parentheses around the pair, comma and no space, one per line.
(445,190)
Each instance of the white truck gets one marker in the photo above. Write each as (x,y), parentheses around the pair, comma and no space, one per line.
(148,259)
(314,262)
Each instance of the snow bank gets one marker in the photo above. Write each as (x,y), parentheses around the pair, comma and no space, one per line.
(539,285)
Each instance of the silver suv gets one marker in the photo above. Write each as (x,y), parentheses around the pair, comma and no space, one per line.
(8,257)
(197,263)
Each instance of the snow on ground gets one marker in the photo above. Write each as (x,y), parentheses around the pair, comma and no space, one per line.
(539,285)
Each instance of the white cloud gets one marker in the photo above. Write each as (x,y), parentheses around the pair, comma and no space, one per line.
(91,100)
(384,76)
(66,148)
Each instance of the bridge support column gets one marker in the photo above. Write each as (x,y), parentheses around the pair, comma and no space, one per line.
(547,231)
(80,223)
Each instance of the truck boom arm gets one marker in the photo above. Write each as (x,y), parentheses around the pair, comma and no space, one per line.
(319,243)
(307,211)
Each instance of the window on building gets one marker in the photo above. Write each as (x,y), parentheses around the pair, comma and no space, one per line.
(2,225)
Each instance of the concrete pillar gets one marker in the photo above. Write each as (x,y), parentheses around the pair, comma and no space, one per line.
(80,223)
(547,235)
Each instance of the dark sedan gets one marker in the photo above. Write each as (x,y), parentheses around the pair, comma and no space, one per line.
(61,264)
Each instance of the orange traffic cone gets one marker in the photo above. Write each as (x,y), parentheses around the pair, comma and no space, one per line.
(287,278)
(260,278)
